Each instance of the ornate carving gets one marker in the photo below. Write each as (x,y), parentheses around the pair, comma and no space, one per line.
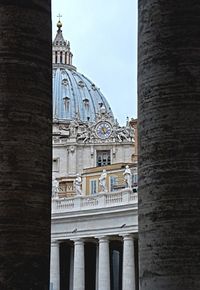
(87,132)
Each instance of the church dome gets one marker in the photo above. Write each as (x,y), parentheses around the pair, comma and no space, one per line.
(74,95)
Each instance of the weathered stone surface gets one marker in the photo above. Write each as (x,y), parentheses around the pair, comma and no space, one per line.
(25,143)
(169,144)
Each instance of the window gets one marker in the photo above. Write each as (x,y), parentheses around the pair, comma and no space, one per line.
(113,182)
(56,164)
(135,179)
(66,103)
(103,158)
(93,186)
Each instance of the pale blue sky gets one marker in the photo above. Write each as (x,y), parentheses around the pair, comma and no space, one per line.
(103,36)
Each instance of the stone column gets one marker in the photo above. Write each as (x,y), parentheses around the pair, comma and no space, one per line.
(58,57)
(67,58)
(54,57)
(104,264)
(128,276)
(55,265)
(169,142)
(25,143)
(63,57)
(79,265)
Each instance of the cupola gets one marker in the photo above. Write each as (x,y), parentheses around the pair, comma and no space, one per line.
(61,49)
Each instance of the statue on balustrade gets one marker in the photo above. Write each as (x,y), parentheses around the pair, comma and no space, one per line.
(78,184)
(102,181)
(128,177)
(55,188)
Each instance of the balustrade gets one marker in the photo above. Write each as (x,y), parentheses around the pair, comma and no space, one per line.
(100,200)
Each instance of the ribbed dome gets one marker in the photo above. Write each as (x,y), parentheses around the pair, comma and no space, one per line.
(74,95)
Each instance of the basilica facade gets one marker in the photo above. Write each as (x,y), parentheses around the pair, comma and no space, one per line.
(94,195)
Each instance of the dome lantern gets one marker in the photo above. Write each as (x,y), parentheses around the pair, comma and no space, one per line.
(62,54)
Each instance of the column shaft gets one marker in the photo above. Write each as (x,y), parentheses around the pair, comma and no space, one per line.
(25,143)
(79,266)
(104,264)
(169,142)
(55,266)
(63,57)
(128,277)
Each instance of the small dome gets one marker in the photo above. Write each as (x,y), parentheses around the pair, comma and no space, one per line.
(75,95)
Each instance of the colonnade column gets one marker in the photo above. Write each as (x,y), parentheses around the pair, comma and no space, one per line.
(128,274)
(104,264)
(55,265)
(79,265)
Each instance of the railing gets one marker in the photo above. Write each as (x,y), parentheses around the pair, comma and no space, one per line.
(101,200)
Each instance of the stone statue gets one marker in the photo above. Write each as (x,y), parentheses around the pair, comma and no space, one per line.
(88,135)
(78,184)
(55,188)
(73,127)
(102,181)
(128,177)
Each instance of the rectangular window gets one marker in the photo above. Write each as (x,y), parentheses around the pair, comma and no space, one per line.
(56,164)
(135,182)
(93,186)
(103,158)
(113,182)
(135,179)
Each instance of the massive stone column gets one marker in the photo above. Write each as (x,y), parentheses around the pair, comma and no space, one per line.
(55,265)
(25,143)
(128,277)
(169,144)
(104,264)
(79,265)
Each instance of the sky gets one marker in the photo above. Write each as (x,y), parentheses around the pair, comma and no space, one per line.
(103,37)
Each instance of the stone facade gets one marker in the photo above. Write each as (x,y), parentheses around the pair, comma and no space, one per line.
(94,201)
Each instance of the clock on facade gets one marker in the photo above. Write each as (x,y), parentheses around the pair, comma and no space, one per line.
(103,130)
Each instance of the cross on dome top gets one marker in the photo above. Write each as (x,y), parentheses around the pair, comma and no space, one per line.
(59,16)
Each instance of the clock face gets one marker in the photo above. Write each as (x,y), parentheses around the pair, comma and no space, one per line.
(103,130)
